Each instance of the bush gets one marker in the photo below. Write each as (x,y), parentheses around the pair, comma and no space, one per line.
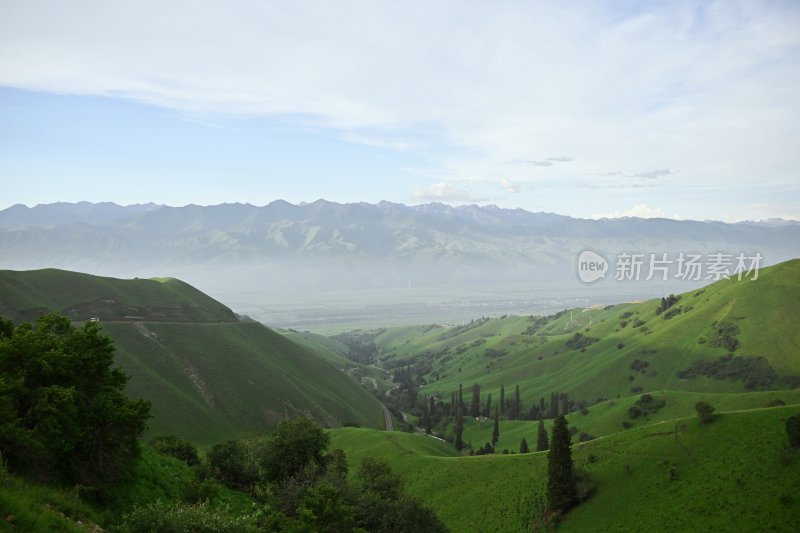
(64,412)
(176,447)
(199,518)
(579,340)
(756,372)
(793,430)
(724,336)
(634,412)
(704,411)
(231,463)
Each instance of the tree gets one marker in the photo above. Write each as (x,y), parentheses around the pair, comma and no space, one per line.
(793,430)
(515,405)
(541,438)
(296,444)
(496,428)
(523,446)
(382,506)
(487,410)
(325,510)
(230,463)
(704,411)
(176,447)
(63,412)
(564,404)
(561,486)
(502,400)
(475,407)
(426,418)
(459,442)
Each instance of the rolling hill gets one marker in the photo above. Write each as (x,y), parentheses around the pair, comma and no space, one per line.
(209,376)
(619,350)
(733,474)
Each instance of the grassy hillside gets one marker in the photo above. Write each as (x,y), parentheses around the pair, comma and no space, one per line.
(208,376)
(240,378)
(40,507)
(27,294)
(608,417)
(730,475)
(629,348)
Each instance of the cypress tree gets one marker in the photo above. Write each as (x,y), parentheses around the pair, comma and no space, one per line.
(542,408)
(515,406)
(502,400)
(523,446)
(561,488)
(487,410)
(541,438)
(459,442)
(461,397)
(475,408)
(427,419)
(496,428)
(564,410)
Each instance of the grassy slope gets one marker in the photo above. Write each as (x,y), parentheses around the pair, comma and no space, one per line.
(728,477)
(209,377)
(764,310)
(40,507)
(26,294)
(606,418)
(240,378)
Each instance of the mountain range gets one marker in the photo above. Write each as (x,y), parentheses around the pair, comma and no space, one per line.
(250,255)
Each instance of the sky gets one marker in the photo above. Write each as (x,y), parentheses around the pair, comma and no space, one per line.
(591,109)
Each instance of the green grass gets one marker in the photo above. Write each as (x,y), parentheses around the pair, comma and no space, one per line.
(239,379)
(606,418)
(24,295)
(499,351)
(728,477)
(47,507)
(208,376)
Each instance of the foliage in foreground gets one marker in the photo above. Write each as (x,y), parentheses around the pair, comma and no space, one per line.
(63,412)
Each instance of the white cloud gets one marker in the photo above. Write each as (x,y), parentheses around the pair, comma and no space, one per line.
(445,192)
(510,186)
(640,211)
(707,87)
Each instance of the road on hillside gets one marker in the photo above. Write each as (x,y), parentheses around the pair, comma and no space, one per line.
(388,417)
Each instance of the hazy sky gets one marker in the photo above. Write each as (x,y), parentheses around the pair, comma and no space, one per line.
(678,109)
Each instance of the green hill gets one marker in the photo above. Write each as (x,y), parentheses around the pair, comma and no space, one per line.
(24,295)
(208,376)
(730,475)
(620,350)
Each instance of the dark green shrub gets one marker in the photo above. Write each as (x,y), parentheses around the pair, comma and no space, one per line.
(176,447)
(793,430)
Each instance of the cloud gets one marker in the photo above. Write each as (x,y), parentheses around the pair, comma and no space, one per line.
(548,161)
(446,193)
(647,174)
(709,88)
(640,211)
(510,186)
(653,174)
